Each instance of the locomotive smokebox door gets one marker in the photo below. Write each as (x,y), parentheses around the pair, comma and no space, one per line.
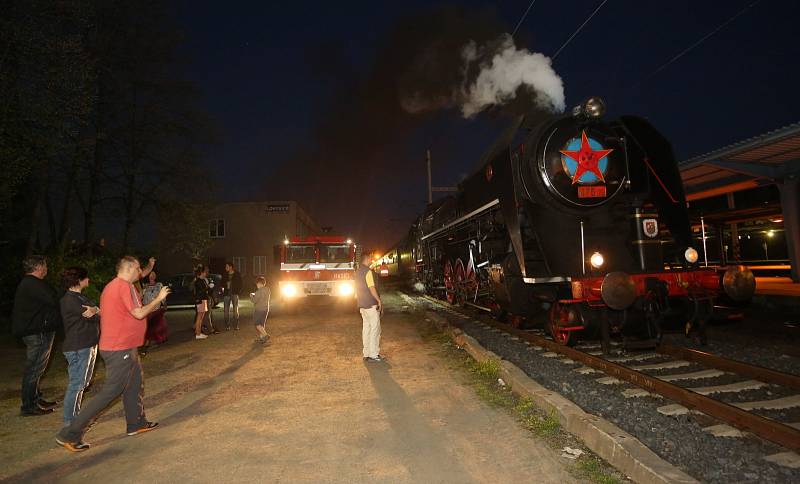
(583,165)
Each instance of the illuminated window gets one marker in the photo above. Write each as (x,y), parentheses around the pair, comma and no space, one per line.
(216,228)
(334,253)
(259,265)
(240,265)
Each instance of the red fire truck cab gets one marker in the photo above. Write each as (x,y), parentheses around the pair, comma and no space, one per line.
(317,266)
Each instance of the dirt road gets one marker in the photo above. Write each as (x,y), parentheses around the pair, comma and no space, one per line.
(306,408)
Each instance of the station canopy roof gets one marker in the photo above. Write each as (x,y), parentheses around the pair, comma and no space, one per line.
(751,163)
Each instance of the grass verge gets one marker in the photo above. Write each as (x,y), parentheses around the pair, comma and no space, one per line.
(485,378)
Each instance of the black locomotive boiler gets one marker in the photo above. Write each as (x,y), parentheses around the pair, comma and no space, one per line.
(583,222)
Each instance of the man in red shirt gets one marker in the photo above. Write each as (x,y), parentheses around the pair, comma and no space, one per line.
(123,322)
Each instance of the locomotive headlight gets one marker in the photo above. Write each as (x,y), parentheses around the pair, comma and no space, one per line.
(690,255)
(594,107)
(289,290)
(596,260)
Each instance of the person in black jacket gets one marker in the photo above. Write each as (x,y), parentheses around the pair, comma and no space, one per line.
(231,289)
(81,318)
(202,295)
(35,318)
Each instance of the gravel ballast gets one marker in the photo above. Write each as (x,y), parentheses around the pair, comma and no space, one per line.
(680,440)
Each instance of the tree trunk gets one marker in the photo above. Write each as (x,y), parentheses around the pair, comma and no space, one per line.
(51,218)
(36,215)
(66,212)
(93,195)
(130,213)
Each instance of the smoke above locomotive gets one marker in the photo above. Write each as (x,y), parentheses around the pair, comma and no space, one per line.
(492,73)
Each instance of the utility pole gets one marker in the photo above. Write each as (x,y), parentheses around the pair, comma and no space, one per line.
(432,188)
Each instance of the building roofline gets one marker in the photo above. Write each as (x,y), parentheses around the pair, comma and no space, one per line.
(744,145)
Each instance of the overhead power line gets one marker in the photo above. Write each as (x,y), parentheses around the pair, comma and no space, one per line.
(522,19)
(579,29)
(702,39)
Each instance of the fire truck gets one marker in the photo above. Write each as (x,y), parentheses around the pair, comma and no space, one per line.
(315,266)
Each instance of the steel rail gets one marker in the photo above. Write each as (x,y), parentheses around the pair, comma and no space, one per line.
(772,430)
(759,373)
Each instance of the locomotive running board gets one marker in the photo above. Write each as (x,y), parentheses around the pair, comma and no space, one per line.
(461,219)
(477,306)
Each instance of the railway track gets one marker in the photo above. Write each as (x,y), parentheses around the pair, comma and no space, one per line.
(633,368)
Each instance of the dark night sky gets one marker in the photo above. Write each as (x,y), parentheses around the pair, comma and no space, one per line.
(270,73)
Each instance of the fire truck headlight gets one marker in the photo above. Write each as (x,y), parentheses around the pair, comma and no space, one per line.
(345,289)
(289,290)
(691,255)
(596,260)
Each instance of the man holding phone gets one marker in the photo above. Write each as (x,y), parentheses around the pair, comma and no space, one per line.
(369,304)
(123,321)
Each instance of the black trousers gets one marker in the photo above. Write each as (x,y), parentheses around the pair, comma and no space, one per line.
(37,356)
(123,377)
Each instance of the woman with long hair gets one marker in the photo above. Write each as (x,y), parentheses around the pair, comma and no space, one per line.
(202,295)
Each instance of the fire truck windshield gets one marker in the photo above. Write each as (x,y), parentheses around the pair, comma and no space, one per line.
(301,253)
(334,253)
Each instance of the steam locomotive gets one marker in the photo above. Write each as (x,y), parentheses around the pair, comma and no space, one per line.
(583,224)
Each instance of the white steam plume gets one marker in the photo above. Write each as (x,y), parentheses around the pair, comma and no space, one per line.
(507,70)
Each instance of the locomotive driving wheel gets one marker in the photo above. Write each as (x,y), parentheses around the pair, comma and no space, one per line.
(449,283)
(470,284)
(460,280)
(562,318)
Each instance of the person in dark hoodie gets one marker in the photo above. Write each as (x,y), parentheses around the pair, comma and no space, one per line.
(35,318)
(81,318)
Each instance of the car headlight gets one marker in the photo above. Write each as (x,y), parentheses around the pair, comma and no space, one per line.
(345,289)
(690,255)
(289,290)
(596,260)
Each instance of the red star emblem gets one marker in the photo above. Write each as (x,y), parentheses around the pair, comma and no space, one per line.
(587,159)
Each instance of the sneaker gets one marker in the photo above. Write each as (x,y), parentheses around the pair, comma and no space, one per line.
(376,359)
(227,328)
(200,336)
(147,427)
(73,446)
(236,328)
(36,411)
(45,404)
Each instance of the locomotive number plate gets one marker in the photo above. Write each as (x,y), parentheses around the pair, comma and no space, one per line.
(588,191)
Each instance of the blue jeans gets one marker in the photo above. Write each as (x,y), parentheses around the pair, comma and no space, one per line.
(37,357)
(80,367)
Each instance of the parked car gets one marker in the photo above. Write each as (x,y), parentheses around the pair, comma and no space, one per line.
(181,286)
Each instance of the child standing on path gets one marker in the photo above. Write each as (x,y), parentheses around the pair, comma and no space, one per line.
(261,309)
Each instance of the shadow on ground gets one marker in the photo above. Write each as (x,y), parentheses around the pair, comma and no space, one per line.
(198,406)
(408,425)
